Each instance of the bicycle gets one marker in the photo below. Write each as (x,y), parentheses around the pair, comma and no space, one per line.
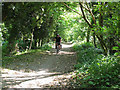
(58,48)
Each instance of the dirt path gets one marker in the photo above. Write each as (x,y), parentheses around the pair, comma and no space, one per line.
(46,69)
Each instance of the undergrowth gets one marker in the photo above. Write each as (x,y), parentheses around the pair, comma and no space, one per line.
(19,55)
(5,50)
(94,69)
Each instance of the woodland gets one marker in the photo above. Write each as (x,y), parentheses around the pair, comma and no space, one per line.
(93,28)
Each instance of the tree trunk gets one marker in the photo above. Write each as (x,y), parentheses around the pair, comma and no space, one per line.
(88,35)
(10,46)
(16,47)
(35,41)
(94,40)
(31,40)
(100,37)
(84,17)
(102,43)
(39,43)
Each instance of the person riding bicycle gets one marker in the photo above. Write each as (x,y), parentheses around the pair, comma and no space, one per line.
(58,40)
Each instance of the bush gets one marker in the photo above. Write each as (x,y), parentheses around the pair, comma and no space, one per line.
(94,69)
(46,46)
(104,71)
(82,46)
(5,50)
(86,52)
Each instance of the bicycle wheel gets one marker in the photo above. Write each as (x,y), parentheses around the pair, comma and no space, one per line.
(57,50)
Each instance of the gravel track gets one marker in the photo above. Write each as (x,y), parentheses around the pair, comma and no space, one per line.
(46,69)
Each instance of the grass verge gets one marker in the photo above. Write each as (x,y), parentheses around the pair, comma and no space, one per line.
(25,56)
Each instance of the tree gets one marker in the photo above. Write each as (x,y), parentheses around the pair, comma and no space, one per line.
(97,13)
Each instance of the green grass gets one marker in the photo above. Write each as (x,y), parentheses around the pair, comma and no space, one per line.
(94,69)
(23,57)
(5,50)
(27,55)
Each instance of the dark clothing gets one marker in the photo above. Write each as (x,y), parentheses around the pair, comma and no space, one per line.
(58,39)
(58,43)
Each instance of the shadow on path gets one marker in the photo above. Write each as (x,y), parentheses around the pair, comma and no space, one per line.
(42,68)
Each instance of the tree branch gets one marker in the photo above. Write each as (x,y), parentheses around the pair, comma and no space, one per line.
(84,15)
(85,8)
(91,13)
(71,8)
(101,16)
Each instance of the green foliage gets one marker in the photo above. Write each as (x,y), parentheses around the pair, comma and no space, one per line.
(117,49)
(78,46)
(46,47)
(5,50)
(104,71)
(86,52)
(95,69)
(26,24)
(25,57)
(45,19)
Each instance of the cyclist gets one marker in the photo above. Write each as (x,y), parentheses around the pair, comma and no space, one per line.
(58,41)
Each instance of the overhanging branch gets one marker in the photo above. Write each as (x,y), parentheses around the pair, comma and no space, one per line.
(93,17)
(84,15)
(71,8)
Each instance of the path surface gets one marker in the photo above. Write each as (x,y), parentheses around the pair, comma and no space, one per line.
(46,69)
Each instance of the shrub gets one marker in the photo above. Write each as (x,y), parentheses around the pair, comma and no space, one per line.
(94,69)
(86,52)
(5,50)
(104,71)
(82,46)
(46,46)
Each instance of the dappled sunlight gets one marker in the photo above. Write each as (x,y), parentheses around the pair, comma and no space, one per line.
(14,73)
(38,70)
(27,78)
(64,53)
(66,46)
